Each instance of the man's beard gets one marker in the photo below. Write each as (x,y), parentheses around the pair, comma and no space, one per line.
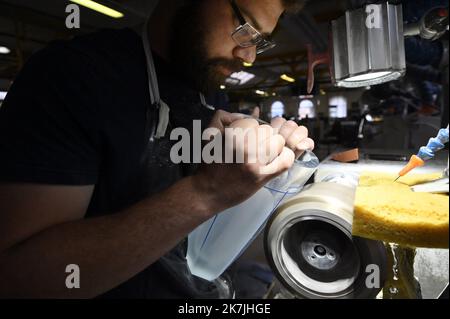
(189,54)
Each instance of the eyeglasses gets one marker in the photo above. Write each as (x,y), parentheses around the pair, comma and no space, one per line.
(247,36)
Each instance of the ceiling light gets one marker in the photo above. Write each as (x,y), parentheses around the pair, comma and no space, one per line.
(99,8)
(259,92)
(4,50)
(369,118)
(240,78)
(364,54)
(232,82)
(287,78)
(223,87)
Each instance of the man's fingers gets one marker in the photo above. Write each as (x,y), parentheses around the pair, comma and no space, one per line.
(280,164)
(228,118)
(305,145)
(244,123)
(288,129)
(223,119)
(242,137)
(270,149)
(297,136)
(257,141)
(277,123)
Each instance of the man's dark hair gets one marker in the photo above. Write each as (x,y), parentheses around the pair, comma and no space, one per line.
(294,6)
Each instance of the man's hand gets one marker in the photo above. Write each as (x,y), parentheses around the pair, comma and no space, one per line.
(296,136)
(268,151)
(43,230)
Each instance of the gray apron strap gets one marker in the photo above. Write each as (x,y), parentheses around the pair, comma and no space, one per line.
(162,109)
(204,104)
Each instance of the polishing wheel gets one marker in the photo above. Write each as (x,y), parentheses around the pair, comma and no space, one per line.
(309,244)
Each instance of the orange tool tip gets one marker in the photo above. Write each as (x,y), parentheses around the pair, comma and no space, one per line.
(414,162)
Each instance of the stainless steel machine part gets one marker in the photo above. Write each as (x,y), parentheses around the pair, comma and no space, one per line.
(309,245)
(366,52)
(432,26)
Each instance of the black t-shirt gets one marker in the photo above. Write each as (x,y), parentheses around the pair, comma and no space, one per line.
(76,115)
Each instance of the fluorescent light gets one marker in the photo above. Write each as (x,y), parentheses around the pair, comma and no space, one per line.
(247,64)
(99,8)
(2,95)
(287,78)
(4,50)
(367,77)
(243,77)
(232,81)
(259,92)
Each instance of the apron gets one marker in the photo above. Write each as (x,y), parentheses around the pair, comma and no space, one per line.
(174,264)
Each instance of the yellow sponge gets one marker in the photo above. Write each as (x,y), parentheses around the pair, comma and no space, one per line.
(392,212)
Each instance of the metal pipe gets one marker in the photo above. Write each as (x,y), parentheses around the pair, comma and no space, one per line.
(412,29)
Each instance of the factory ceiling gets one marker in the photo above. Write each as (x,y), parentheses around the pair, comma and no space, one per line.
(26,26)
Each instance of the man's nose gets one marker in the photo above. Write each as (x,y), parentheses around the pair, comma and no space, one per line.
(245,54)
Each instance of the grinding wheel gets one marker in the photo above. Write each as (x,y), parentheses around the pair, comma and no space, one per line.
(309,246)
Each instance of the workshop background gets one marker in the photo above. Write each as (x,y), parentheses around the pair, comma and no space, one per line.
(385,121)
(404,113)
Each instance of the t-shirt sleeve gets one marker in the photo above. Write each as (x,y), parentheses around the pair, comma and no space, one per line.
(49,122)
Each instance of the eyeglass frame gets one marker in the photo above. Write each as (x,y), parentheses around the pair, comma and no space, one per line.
(263,42)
